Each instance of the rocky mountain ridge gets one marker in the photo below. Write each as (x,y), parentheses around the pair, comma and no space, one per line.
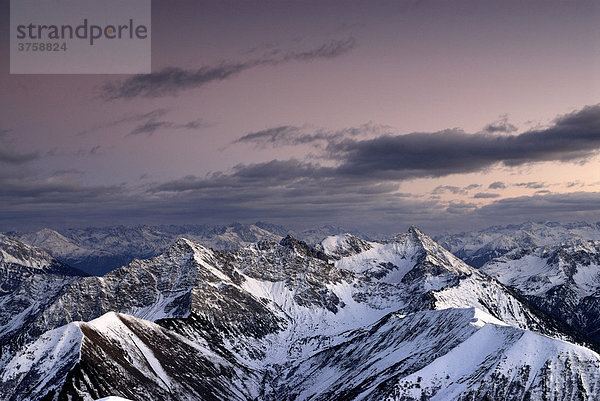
(348,319)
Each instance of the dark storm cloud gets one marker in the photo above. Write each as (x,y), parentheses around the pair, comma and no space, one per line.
(497,185)
(572,137)
(588,116)
(172,80)
(485,195)
(502,125)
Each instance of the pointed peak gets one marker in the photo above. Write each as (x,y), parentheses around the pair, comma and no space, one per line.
(186,246)
(105,321)
(183,245)
(414,235)
(419,237)
(183,242)
(414,230)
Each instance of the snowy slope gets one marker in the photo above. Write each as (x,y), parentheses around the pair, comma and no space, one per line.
(120,355)
(504,363)
(450,354)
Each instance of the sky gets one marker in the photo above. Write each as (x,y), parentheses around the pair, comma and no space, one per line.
(448,115)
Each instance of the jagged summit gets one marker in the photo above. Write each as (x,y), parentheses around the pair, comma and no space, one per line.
(184,245)
(302,247)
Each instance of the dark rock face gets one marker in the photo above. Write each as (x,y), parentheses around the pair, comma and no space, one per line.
(301,268)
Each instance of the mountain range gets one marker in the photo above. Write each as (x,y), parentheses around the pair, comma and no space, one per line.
(278,319)
(98,250)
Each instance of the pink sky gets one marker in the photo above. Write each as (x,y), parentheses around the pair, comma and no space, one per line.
(74,158)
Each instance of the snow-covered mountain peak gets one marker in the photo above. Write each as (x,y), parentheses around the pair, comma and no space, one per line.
(186,249)
(47,235)
(420,239)
(109,320)
(183,245)
(416,231)
(18,254)
(14,251)
(392,260)
(432,253)
(133,358)
(60,246)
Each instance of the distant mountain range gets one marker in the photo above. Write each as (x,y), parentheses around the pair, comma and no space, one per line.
(98,250)
(279,319)
(478,248)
